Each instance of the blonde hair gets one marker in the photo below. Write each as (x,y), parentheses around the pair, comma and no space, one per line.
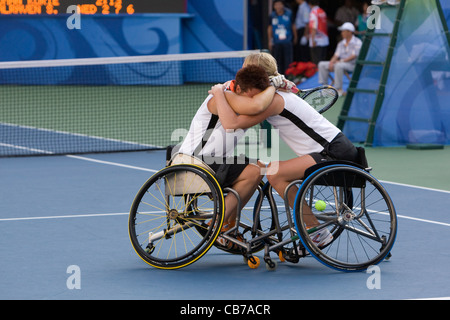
(263,60)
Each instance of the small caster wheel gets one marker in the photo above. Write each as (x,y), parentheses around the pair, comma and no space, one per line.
(281,256)
(271,265)
(253,262)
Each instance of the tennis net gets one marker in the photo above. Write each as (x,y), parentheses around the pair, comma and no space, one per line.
(73,106)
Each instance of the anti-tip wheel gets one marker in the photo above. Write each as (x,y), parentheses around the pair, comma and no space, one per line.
(271,265)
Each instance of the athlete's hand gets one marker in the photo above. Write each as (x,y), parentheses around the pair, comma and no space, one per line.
(228,84)
(277,81)
(289,86)
(281,83)
(216,89)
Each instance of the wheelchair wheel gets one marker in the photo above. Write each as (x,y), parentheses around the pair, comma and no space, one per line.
(176,216)
(356,210)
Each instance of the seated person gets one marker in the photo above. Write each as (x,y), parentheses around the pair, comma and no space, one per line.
(209,141)
(312,137)
(344,58)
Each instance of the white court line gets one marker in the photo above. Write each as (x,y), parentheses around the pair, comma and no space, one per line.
(439,298)
(424,220)
(152,170)
(24,148)
(111,163)
(80,158)
(67,216)
(75,216)
(126,213)
(62,133)
(413,186)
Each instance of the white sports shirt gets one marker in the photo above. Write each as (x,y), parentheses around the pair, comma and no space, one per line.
(207,137)
(301,127)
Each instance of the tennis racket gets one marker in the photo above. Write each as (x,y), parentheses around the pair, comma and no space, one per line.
(320,98)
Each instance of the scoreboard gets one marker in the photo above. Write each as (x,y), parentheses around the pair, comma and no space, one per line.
(99,7)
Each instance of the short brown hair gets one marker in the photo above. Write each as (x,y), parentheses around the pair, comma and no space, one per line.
(252,77)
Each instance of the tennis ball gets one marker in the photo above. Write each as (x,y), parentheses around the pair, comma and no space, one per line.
(320,205)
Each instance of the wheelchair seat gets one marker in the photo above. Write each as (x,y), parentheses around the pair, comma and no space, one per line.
(361,163)
(188,182)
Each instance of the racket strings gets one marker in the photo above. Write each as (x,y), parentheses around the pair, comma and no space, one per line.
(321,99)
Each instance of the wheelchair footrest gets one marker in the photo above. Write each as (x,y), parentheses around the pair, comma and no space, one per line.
(293,255)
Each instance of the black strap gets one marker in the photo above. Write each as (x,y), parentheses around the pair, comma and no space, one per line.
(212,123)
(305,128)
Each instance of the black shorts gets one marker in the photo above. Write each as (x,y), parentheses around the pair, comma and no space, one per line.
(226,170)
(341,148)
(229,169)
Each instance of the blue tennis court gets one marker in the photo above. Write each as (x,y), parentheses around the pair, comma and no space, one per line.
(63,229)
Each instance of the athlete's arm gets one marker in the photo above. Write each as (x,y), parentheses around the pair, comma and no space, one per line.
(228,117)
(250,105)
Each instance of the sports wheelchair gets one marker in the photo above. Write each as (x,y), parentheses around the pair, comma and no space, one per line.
(177,216)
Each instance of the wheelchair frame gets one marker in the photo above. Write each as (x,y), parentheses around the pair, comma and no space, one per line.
(290,240)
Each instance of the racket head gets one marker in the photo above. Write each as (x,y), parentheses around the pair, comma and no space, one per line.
(321,98)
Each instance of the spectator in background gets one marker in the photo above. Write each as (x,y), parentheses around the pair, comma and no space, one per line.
(361,21)
(347,13)
(344,58)
(301,48)
(318,32)
(282,34)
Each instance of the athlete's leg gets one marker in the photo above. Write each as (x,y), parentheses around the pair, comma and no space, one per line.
(281,173)
(324,72)
(245,185)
